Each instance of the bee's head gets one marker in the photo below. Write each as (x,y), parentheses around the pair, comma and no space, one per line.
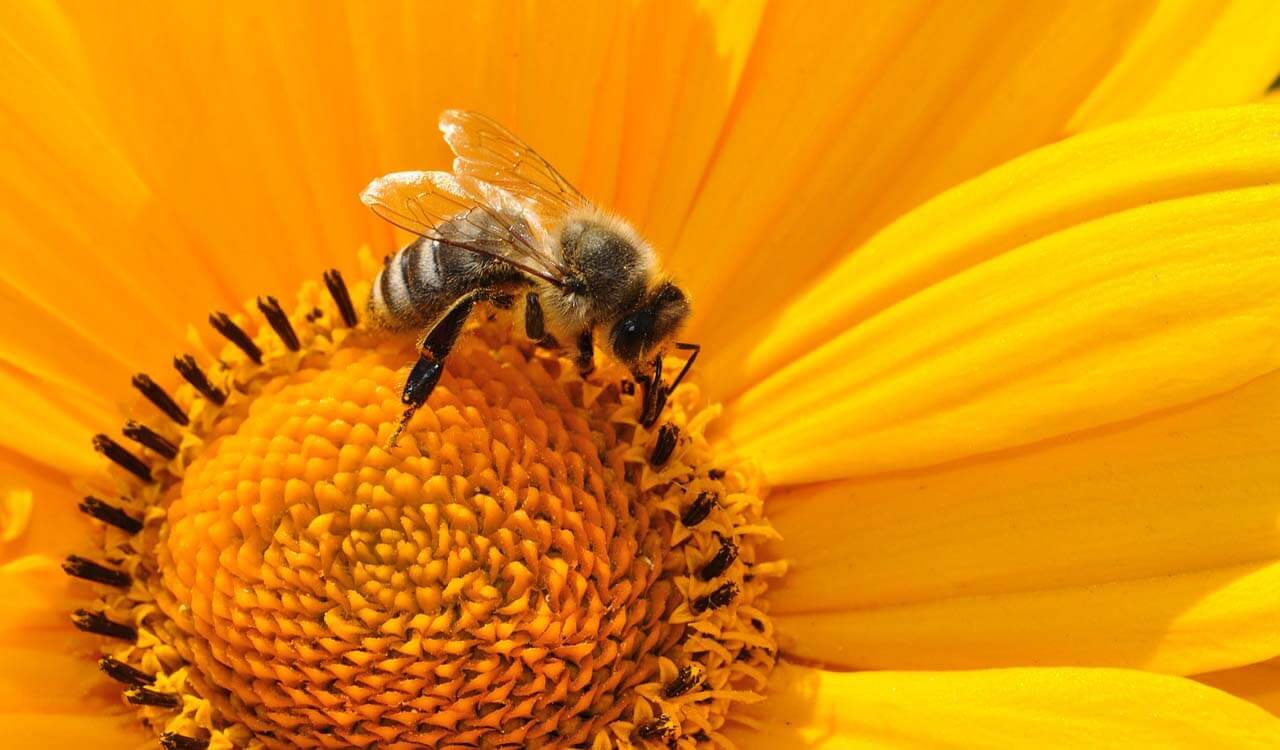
(652,322)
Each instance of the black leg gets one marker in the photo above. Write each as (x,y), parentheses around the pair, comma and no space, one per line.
(652,395)
(655,392)
(426,372)
(534,325)
(586,356)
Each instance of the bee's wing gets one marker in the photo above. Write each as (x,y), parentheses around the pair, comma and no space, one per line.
(490,153)
(423,202)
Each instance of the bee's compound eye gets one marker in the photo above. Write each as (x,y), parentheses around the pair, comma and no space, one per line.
(630,335)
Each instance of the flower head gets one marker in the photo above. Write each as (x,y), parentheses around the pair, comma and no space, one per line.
(988,296)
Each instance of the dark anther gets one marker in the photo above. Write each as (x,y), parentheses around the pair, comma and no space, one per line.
(699,509)
(657,729)
(628,387)
(98,624)
(121,457)
(663,446)
(700,736)
(341,297)
(716,474)
(142,696)
(222,323)
(757,623)
(89,570)
(174,741)
(716,599)
(279,321)
(723,558)
(149,438)
(162,401)
(688,678)
(110,514)
(191,372)
(125,673)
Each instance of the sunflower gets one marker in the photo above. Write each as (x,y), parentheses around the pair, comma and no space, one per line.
(981,450)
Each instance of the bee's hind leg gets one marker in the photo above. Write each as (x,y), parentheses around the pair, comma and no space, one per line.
(435,347)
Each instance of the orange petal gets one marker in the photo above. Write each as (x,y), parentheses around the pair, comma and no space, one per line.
(54,525)
(1257,683)
(1003,708)
(1052,295)
(37,680)
(1150,544)
(1190,55)
(68,731)
(39,601)
(910,98)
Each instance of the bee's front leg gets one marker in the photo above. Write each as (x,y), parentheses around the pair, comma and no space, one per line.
(585,358)
(653,394)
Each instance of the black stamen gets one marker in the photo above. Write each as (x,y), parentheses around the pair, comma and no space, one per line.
(89,570)
(665,444)
(723,559)
(142,696)
(162,401)
(688,678)
(121,457)
(174,741)
(191,372)
(699,509)
(149,438)
(716,474)
(98,624)
(125,673)
(341,297)
(659,728)
(716,599)
(222,323)
(110,514)
(279,321)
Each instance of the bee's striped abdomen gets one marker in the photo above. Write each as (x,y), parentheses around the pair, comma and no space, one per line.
(409,291)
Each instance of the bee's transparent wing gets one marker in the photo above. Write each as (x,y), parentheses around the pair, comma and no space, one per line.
(490,153)
(462,213)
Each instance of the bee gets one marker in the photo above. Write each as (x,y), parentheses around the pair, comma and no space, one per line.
(505,224)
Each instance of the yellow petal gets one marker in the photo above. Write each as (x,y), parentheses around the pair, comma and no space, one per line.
(1257,683)
(1151,545)
(39,601)
(1052,295)
(1190,54)
(68,731)
(68,683)
(53,524)
(1007,708)
(847,118)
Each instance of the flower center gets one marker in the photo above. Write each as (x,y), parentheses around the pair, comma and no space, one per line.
(527,567)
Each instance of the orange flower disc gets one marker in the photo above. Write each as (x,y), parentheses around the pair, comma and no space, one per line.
(527,567)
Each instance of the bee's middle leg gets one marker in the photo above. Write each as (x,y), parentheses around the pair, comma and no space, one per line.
(535,324)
